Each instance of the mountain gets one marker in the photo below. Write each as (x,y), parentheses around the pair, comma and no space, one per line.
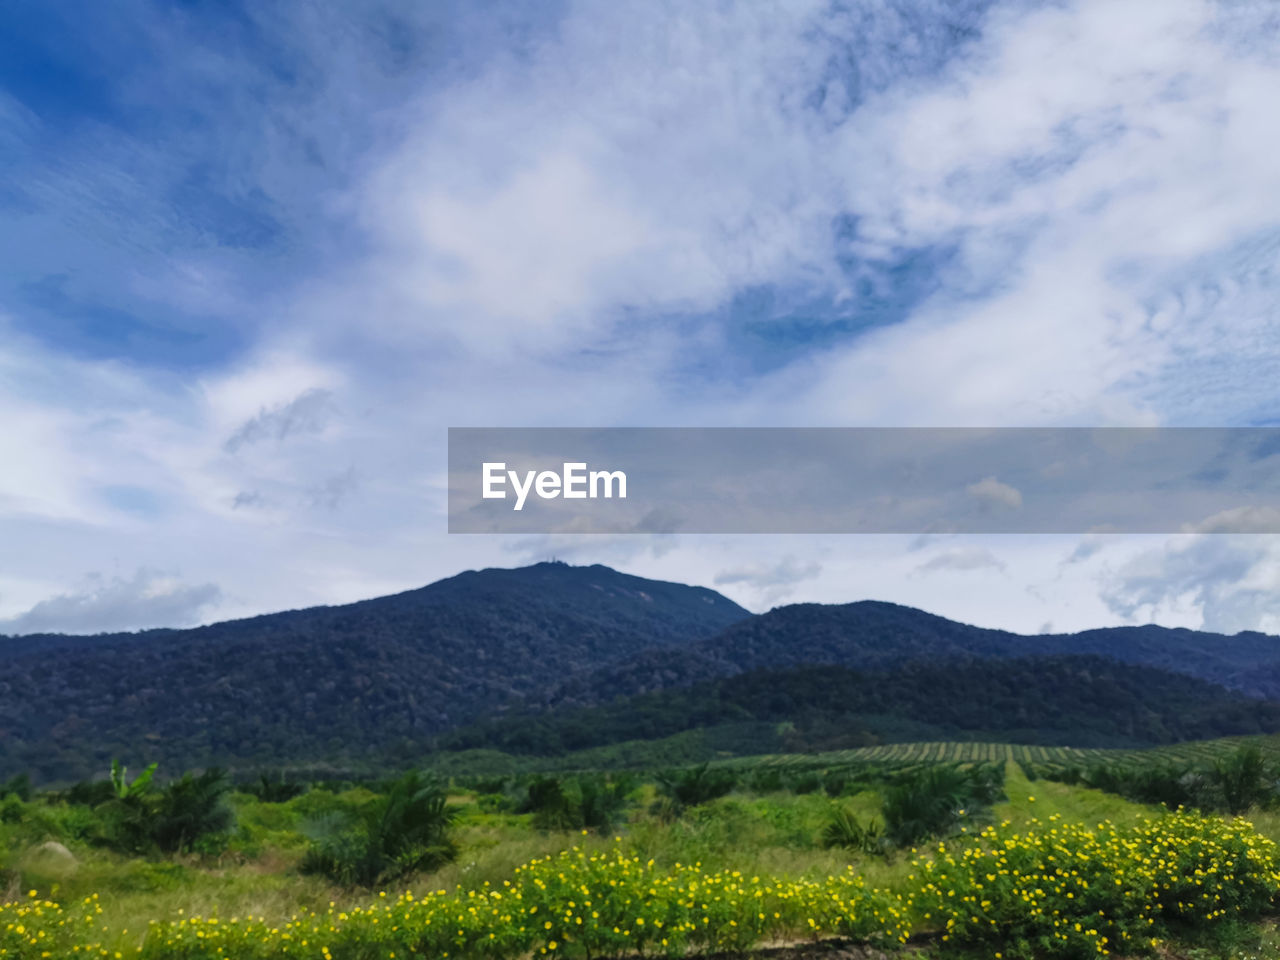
(384,682)
(1083,701)
(875,636)
(374,679)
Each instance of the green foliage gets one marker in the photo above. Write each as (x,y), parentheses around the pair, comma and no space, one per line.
(1243,778)
(402,831)
(192,813)
(846,831)
(419,662)
(124,789)
(1082,700)
(932,802)
(188,813)
(1230,782)
(601,801)
(19,785)
(585,802)
(275,789)
(766,780)
(545,799)
(692,786)
(89,793)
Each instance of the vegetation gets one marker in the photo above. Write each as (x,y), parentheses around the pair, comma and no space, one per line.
(403,831)
(1230,782)
(361,688)
(681,789)
(188,813)
(499,670)
(935,801)
(846,831)
(585,802)
(1046,889)
(960,858)
(1086,701)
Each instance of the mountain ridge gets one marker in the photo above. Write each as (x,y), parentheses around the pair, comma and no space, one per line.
(381,679)
(383,674)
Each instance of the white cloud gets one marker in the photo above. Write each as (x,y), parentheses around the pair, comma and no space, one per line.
(147,599)
(1228,583)
(552,235)
(991,492)
(1241,520)
(770,582)
(962,559)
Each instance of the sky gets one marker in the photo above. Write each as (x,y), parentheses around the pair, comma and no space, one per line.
(255,259)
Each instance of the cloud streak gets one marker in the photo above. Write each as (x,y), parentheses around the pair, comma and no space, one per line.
(273,249)
(147,599)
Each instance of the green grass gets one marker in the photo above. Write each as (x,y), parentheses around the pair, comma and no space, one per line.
(769,834)
(1040,799)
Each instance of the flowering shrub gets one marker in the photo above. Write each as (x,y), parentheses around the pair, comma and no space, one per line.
(1052,890)
(1069,890)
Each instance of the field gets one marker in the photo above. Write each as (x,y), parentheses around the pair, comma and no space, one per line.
(906,755)
(704,860)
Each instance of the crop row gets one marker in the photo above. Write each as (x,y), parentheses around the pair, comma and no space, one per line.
(896,756)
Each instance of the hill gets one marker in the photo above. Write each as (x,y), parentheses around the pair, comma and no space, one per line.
(385,681)
(875,636)
(1081,701)
(376,678)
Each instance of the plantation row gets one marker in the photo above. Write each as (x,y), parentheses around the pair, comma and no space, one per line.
(1050,890)
(905,755)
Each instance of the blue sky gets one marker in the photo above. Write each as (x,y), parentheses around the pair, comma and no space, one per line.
(256,259)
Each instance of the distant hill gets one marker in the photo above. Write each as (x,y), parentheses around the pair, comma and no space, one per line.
(874,636)
(383,682)
(376,678)
(1082,701)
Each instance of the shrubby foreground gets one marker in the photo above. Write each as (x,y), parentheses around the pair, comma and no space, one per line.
(1046,889)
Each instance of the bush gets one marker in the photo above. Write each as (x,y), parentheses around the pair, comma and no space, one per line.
(189,813)
(274,789)
(600,801)
(19,785)
(193,810)
(1242,779)
(692,786)
(766,780)
(586,802)
(1232,784)
(808,782)
(545,799)
(403,831)
(1182,873)
(845,831)
(931,802)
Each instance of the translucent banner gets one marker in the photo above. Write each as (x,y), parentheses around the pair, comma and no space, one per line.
(864,480)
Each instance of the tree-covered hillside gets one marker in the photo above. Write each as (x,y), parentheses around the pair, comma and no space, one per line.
(375,678)
(1083,701)
(380,682)
(870,635)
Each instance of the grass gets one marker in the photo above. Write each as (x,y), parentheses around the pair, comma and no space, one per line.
(775,834)
(1040,799)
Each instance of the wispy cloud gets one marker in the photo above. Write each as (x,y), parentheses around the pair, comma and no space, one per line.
(305,414)
(147,599)
(770,583)
(961,559)
(614,214)
(1228,583)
